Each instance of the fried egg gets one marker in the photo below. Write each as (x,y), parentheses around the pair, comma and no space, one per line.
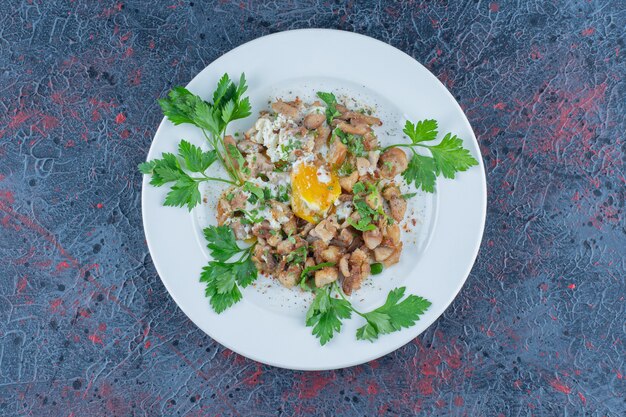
(313,191)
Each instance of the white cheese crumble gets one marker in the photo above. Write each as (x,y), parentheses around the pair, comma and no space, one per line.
(344,210)
(277,135)
(323,176)
(267,214)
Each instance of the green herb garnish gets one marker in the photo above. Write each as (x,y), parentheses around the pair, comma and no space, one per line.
(175,170)
(354,143)
(331,105)
(448,157)
(182,106)
(305,273)
(223,278)
(326,313)
(393,315)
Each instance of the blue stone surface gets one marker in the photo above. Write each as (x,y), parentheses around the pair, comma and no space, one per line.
(87,328)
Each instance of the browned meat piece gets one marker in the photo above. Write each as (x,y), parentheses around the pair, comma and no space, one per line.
(360,129)
(372,238)
(239,201)
(382,252)
(318,247)
(359,268)
(391,233)
(344,265)
(325,276)
(392,162)
(370,141)
(306,229)
(288,109)
(291,276)
(263,259)
(346,237)
(226,208)
(280,211)
(262,230)
(314,120)
(274,239)
(239,229)
(397,207)
(348,182)
(291,226)
(326,229)
(391,191)
(259,164)
(290,245)
(286,246)
(374,200)
(223,211)
(321,137)
(362,166)
(373,157)
(369,253)
(337,152)
(331,254)
(344,198)
(309,262)
(394,257)
(341,108)
(247,146)
(362,118)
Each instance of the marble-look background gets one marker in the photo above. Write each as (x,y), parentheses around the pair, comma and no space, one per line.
(87,328)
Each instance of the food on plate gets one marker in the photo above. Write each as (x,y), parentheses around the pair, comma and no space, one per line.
(315,200)
(317,189)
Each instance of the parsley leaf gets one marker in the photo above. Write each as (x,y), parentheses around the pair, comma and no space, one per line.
(182,106)
(223,278)
(346,169)
(422,172)
(147,167)
(358,187)
(325,314)
(422,131)
(184,193)
(297,256)
(245,272)
(195,159)
(221,242)
(255,191)
(393,315)
(331,105)
(364,224)
(450,156)
(169,169)
(220,285)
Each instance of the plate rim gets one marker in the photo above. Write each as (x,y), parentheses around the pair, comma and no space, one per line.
(452,294)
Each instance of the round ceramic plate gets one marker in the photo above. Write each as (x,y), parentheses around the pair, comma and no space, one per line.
(442,238)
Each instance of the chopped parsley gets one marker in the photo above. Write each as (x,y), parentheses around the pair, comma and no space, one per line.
(345,169)
(354,143)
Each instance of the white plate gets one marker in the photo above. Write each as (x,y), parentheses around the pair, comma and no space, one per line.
(268,324)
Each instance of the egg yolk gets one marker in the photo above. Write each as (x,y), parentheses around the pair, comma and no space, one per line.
(313,191)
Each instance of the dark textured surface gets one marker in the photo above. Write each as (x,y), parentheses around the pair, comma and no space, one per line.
(87,328)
